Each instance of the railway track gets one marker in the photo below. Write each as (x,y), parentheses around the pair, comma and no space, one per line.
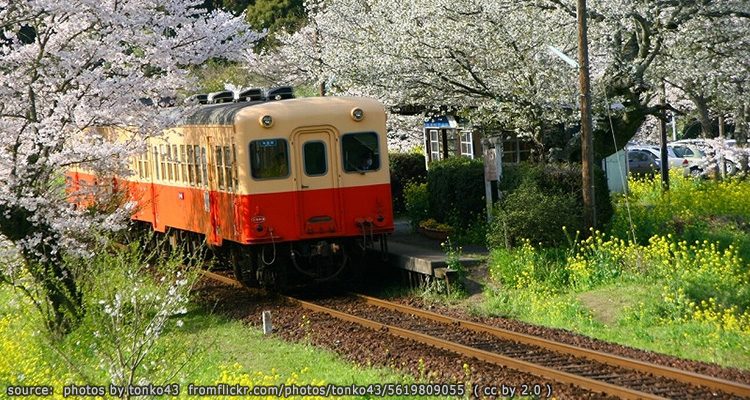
(588,369)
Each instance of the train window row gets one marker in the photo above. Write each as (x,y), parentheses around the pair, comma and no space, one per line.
(188,164)
(269,159)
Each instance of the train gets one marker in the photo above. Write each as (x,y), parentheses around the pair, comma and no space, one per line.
(288,189)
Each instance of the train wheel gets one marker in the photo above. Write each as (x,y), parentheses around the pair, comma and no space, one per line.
(243,265)
(271,272)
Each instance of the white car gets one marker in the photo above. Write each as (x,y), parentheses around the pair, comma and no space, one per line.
(695,157)
(710,149)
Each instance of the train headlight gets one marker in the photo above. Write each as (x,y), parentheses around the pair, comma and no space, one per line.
(266,121)
(357,114)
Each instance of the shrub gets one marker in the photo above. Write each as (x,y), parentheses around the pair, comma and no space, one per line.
(405,168)
(417,203)
(455,188)
(529,213)
(540,199)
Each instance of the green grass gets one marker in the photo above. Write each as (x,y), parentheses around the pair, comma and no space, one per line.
(683,294)
(208,349)
(225,342)
(625,315)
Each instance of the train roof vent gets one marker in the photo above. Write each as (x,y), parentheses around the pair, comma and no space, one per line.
(279,93)
(250,95)
(221,97)
(200,98)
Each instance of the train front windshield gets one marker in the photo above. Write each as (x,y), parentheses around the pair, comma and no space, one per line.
(269,159)
(360,151)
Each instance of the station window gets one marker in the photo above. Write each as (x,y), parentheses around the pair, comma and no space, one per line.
(316,162)
(435,145)
(269,158)
(360,151)
(467,146)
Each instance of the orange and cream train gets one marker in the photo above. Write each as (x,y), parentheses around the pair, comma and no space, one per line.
(287,188)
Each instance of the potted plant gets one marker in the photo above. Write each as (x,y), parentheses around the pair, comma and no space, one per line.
(434,230)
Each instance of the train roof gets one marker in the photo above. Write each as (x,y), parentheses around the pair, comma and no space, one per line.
(227,113)
(217,114)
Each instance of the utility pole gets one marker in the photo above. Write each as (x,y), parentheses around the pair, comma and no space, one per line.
(663,154)
(722,162)
(587,142)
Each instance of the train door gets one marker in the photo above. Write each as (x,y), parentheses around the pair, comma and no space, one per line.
(210,200)
(317,179)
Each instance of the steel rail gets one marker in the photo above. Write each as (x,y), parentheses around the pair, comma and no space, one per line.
(523,366)
(223,279)
(493,358)
(688,377)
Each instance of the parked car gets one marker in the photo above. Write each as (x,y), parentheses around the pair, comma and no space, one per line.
(674,161)
(642,162)
(711,147)
(694,156)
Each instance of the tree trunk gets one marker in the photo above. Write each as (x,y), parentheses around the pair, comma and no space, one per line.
(740,124)
(60,289)
(50,272)
(707,126)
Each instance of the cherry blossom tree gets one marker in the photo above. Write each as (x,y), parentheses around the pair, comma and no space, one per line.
(69,66)
(497,60)
(640,43)
(709,63)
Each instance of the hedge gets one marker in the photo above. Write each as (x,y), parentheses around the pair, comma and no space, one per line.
(406,168)
(455,188)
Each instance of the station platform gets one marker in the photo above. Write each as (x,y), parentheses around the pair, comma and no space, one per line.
(413,252)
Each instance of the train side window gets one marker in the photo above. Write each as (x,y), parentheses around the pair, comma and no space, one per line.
(170,169)
(146,164)
(229,165)
(197,153)
(183,166)
(139,163)
(204,165)
(316,162)
(191,165)
(219,166)
(269,159)
(162,167)
(360,152)
(176,163)
(156,162)
(141,167)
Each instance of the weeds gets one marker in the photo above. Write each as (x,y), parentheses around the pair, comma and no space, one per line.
(690,252)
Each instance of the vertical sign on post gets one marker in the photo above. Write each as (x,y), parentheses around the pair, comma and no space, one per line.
(267,325)
(497,141)
(493,168)
(490,174)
